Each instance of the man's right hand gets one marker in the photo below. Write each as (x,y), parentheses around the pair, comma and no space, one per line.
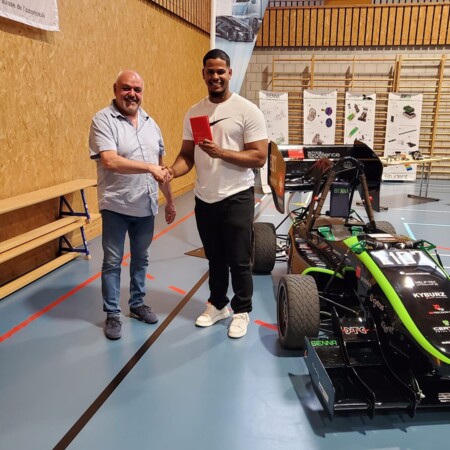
(159,173)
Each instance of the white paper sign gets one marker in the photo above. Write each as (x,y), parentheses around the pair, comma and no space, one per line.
(402,134)
(35,13)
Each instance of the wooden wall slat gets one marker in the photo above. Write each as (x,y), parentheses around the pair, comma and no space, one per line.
(364,26)
(427,75)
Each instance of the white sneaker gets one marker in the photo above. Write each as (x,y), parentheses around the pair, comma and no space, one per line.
(238,325)
(212,315)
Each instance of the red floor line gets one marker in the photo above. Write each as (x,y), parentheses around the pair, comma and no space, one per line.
(266,325)
(50,306)
(64,297)
(180,291)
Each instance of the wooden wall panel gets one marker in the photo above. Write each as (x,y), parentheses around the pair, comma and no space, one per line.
(52,83)
(55,82)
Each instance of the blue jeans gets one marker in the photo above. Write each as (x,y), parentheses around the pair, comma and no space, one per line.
(225,229)
(140,233)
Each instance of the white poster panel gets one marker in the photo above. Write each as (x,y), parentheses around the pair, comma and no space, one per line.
(275,107)
(402,134)
(236,27)
(319,117)
(359,118)
(35,13)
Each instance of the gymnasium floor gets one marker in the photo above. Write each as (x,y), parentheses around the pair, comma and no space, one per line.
(173,386)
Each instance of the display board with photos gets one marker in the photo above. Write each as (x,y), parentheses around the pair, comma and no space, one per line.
(359,118)
(402,135)
(319,117)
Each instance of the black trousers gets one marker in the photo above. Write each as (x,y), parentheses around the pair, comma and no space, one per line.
(225,229)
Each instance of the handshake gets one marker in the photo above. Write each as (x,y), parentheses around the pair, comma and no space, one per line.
(162,174)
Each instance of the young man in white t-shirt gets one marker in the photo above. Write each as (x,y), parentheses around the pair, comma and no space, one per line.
(224,193)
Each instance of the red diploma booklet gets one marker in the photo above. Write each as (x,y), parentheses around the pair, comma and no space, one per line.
(200,128)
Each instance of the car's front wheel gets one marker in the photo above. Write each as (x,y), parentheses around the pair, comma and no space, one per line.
(264,247)
(298,310)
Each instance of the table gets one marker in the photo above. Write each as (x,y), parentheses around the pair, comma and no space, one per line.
(425,171)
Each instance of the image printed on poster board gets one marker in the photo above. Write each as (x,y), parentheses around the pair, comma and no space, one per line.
(359,122)
(319,117)
(402,134)
(274,106)
(236,27)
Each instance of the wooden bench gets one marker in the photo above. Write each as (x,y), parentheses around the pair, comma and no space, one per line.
(68,221)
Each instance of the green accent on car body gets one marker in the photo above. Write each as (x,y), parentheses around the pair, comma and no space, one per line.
(395,301)
(315,270)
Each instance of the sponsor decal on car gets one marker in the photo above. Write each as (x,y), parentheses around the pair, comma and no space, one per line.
(355,330)
(323,342)
(441,329)
(317,154)
(438,310)
(376,303)
(427,295)
(387,328)
(421,283)
(444,397)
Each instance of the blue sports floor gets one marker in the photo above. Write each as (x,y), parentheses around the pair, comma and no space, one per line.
(172,386)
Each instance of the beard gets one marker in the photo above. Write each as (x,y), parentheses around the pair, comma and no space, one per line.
(216,94)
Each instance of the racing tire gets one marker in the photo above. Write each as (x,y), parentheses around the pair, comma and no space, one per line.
(298,310)
(264,247)
(385,226)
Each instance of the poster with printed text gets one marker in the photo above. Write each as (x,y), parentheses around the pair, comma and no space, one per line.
(274,106)
(402,134)
(359,118)
(319,117)
(35,13)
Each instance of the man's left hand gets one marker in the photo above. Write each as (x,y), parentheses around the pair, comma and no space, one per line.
(211,149)
(170,212)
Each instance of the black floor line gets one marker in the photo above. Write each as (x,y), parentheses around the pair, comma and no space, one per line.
(104,395)
(101,399)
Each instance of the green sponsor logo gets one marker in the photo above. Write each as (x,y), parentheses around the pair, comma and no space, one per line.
(323,342)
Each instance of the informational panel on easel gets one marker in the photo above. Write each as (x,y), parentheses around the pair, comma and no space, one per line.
(402,135)
(274,106)
(359,118)
(319,117)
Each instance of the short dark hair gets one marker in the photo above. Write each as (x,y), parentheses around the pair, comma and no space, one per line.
(216,53)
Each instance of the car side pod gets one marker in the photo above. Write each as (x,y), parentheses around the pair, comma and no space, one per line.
(349,372)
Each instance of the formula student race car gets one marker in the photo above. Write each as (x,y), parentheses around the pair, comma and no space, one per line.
(370,307)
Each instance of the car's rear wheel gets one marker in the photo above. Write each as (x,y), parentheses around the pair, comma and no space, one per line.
(386,227)
(264,247)
(298,310)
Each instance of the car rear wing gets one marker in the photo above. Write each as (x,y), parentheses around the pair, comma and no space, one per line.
(289,167)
